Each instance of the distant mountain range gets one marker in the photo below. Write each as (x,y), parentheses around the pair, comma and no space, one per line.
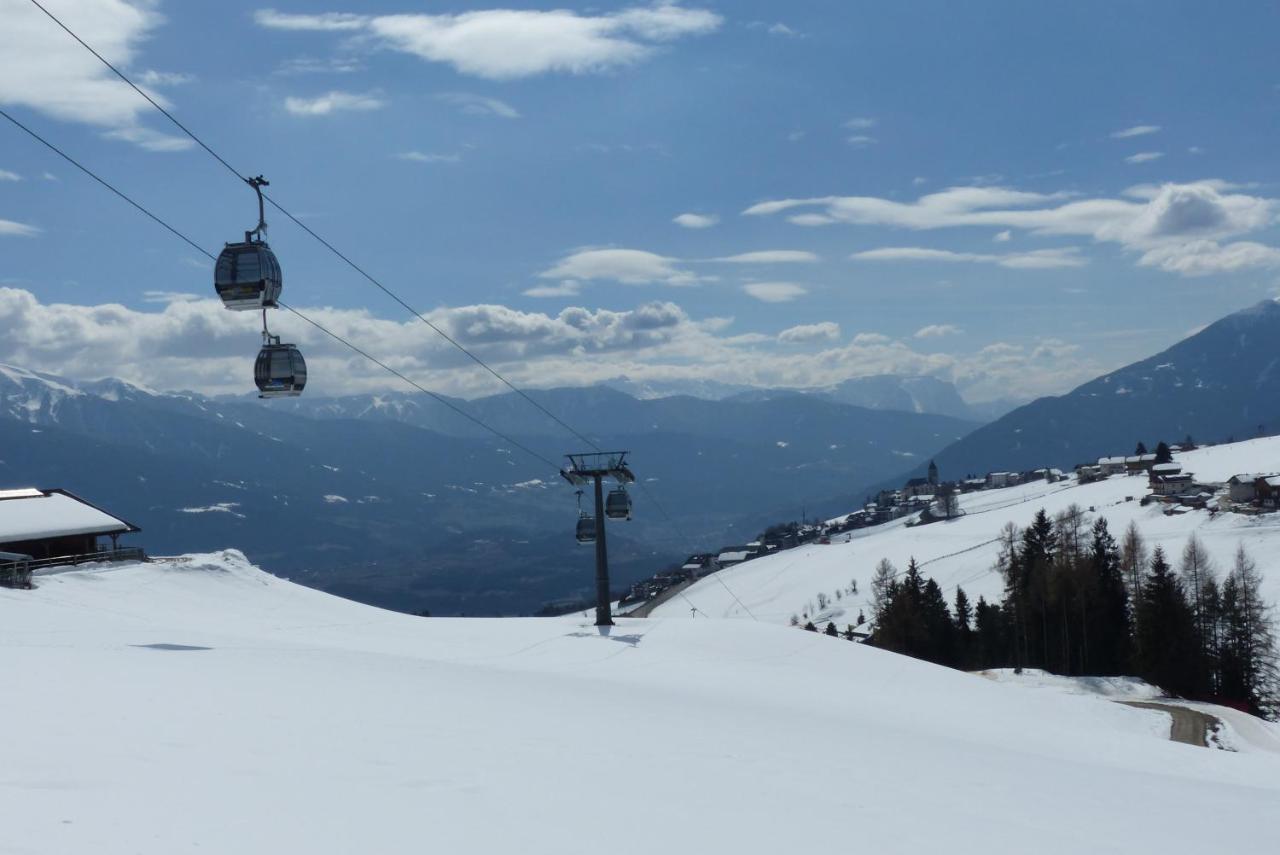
(396,500)
(1221,383)
(904,393)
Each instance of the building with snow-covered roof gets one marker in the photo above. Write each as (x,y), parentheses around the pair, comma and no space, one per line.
(1112,465)
(1244,486)
(41,527)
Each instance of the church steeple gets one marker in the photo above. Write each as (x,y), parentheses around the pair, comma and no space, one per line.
(933,473)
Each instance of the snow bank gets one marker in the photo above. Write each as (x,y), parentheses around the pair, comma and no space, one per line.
(200,703)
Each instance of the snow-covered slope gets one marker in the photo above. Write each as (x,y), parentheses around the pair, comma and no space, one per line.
(199,704)
(963,551)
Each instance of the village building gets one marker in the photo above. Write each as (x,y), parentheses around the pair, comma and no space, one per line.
(1112,465)
(1243,488)
(918,487)
(996,480)
(1087,473)
(1268,491)
(40,528)
(1136,463)
(1171,485)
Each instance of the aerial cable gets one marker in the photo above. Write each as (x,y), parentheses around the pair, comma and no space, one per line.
(313,234)
(445,401)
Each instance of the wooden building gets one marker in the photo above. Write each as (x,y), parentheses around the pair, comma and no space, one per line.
(49,527)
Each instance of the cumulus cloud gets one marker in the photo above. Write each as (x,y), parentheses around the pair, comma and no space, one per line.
(1135,131)
(771,256)
(696,221)
(43,69)
(188,342)
(808,333)
(1041,259)
(1144,157)
(937,331)
(1171,219)
(504,44)
(480,105)
(775,292)
(1003,237)
(333,102)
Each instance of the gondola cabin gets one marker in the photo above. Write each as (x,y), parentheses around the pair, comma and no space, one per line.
(280,371)
(247,275)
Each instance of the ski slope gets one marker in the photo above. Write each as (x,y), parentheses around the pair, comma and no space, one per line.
(199,704)
(962,552)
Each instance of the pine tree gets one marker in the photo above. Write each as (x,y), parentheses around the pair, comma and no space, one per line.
(880,582)
(1141,449)
(964,630)
(1133,560)
(1247,652)
(1165,638)
(1108,626)
(831,629)
(1163,453)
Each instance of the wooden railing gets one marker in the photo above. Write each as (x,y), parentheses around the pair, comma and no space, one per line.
(17,574)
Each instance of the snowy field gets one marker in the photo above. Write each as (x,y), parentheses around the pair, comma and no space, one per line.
(199,704)
(963,551)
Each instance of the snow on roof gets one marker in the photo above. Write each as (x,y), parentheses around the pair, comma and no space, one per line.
(1105,461)
(1246,477)
(1167,467)
(1273,481)
(733,556)
(52,513)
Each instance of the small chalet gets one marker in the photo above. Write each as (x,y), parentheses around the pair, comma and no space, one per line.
(1135,463)
(1088,473)
(1171,485)
(50,527)
(1243,488)
(1268,491)
(1112,465)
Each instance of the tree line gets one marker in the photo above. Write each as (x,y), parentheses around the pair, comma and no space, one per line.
(1077,601)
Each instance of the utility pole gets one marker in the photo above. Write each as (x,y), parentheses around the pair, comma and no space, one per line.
(594,468)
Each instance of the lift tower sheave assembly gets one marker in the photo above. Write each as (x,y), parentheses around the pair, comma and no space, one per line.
(593,468)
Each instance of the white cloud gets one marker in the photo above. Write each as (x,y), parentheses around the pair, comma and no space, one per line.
(861,123)
(1144,157)
(170,297)
(150,140)
(567,288)
(196,344)
(771,256)
(480,105)
(1205,257)
(44,69)
(6,175)
(151,77)
(824,331)
(937,331)
(428,157)
(12,229)
(1172,219)
(1135,131)
(795,136)
(696,221)
(781,29)
(860,140)
(919,180)
(504,44)
(333,102)
(1035,259)
(775,292)
(1003,237)
(629,266)
(311,65)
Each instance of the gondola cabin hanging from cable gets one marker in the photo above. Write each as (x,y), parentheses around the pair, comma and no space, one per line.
(618,505)
(247,275)
(586,528)
(280,371)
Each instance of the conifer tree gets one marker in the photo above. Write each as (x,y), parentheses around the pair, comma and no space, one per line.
(831,629)
(1163,453)
(1165,639)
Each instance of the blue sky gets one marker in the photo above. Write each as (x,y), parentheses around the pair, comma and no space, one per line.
(1009,195)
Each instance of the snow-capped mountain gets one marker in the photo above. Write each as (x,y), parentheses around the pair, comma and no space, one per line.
(1221,383)
(199,703)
